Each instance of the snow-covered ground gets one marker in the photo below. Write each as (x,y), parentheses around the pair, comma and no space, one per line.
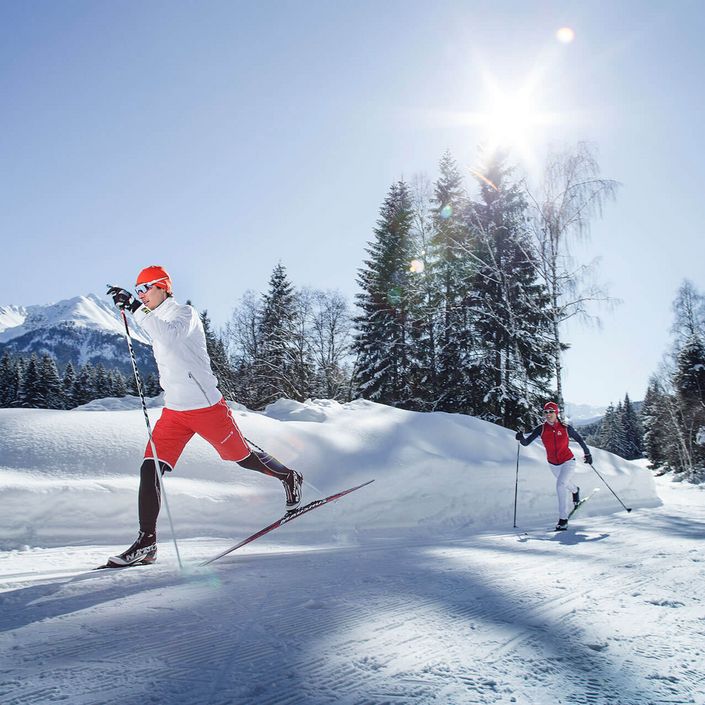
(415,589)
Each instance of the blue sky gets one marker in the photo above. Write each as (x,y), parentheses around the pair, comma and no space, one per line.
(219,138)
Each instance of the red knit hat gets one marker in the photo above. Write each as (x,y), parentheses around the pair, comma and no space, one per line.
(155,276)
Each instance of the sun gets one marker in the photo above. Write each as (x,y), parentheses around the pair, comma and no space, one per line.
(511,121)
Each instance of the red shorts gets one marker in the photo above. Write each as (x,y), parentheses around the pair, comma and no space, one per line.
(216,424)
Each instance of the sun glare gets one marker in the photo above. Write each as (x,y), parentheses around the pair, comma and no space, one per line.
(565,35)
(513,122)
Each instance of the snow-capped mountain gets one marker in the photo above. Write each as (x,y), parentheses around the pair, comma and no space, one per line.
(583,414)
(77,330)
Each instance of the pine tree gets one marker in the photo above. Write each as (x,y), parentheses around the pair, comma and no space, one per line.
(9,381)
(102,388)
(151,385)
(118,386)
(689,385)
(632,431)
(68,385)
(655,424)
(424,303)
(31,395)
(51,383)
(448,305)
(84,388)
(612,432)
(383,341)
(274,364)
(515,357)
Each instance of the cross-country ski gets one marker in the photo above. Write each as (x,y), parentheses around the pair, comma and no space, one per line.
(289,516)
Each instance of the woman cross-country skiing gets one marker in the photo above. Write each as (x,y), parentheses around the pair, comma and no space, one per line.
(193,404)
(556,436)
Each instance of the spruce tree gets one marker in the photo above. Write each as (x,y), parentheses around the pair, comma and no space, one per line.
(31,394)
(8,381)
(515,359)
(448,306)
(689,385)
(51,383)
(632,431)
(655,424)
(117,384)
(84,388)
(383,341)
(612,433)
(68,385)
(274,363)
(101,383)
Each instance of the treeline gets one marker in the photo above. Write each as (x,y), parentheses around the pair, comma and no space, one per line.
(620,431)
(673,414)
(37,383)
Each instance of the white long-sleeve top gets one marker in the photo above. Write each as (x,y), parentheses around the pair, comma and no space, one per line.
(179,345)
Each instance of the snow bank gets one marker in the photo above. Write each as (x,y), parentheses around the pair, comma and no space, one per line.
(72,476)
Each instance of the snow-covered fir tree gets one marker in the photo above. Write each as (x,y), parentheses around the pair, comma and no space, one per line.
(31,394)
(513,359)
(689,385)
(274,363)
(84,388)
(633,433)
(448,311)
(117,384)
(9,381)
(50,382)
(68,382)
(101,382)
(656,437)
(612,432)
(383,341)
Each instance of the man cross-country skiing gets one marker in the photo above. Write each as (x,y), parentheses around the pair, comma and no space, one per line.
(193,404)
(556,436)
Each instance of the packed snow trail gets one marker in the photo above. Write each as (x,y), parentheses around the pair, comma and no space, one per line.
(611,611)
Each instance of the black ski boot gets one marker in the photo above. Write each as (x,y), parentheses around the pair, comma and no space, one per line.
(143,551)
(292,486)
(562,525)
(265,463)
(576,497)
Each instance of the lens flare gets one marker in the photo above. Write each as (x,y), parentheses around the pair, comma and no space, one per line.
(446,211)
(416,266)
(565,35)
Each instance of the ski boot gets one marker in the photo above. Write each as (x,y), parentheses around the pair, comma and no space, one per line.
(292,486)
(143,551)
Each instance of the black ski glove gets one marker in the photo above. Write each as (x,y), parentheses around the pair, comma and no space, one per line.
(123,299)
(519,436)
(588,458)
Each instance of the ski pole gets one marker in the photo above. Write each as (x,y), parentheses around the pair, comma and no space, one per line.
(516,486)
(157,465)
(629,509)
